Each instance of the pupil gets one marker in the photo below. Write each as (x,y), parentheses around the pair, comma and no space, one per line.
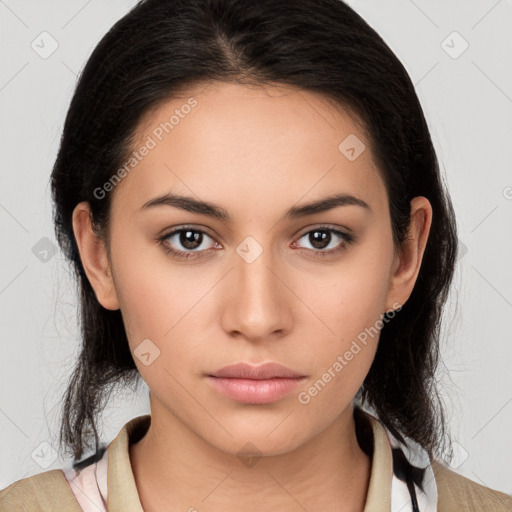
(192,241)
(318,242)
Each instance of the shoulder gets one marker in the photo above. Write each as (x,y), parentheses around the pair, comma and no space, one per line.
(45,491)
(455,490)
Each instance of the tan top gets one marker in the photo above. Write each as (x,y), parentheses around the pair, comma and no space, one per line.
(50,491)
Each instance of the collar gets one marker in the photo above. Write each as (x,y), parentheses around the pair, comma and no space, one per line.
(122,491)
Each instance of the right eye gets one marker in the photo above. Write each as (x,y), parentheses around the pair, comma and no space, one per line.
(190,239)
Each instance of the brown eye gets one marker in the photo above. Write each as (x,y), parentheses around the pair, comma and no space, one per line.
(190,239)
(326,240)
(182,243)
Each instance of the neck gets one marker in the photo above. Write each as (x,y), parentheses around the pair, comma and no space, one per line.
(173,465)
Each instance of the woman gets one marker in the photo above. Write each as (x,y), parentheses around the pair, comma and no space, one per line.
(251,200)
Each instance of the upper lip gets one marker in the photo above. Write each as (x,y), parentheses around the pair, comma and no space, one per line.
(263,371)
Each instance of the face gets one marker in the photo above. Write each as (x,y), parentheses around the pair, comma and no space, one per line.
(252,284)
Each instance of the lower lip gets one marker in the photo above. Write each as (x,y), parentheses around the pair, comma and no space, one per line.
(255,391)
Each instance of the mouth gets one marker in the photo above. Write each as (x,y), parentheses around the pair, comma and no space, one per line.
(262,384)
(255,391)
(264,371)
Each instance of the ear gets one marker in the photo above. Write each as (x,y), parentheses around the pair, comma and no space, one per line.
(93,254)
(407,262)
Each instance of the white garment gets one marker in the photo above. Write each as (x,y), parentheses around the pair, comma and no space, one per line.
(90,486)
(400,497)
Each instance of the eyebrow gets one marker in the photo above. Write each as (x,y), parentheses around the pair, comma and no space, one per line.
(192,205)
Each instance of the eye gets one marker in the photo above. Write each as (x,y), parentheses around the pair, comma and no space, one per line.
(190,239)
(321,238)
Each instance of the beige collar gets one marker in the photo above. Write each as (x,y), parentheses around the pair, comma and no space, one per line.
(123,496)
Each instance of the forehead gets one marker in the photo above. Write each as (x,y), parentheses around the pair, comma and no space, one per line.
(239,144)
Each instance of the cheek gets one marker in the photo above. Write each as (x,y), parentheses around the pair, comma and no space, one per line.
(352,297)
(145,298)
(157,323)
(341,361)
(349,302)
(160,301)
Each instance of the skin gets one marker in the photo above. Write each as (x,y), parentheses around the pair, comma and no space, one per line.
(256,151)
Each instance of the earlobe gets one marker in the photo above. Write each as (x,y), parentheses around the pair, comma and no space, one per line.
(93,254)
(407,263)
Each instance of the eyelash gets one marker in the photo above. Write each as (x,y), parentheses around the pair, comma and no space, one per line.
(185,255)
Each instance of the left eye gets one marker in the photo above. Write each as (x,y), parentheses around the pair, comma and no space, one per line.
(321,238)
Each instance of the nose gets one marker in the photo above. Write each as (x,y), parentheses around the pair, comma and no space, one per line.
(258,303)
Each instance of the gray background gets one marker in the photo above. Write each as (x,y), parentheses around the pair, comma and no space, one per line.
(467,99)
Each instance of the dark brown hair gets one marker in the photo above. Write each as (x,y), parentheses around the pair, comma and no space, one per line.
(162,47)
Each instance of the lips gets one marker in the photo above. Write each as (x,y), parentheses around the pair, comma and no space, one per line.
(265,371)
(254,391)
(263,384)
